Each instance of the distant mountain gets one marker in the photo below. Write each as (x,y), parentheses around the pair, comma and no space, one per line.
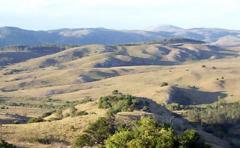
(168,28)
(17,36)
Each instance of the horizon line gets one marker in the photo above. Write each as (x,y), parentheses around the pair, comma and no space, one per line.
(109,28)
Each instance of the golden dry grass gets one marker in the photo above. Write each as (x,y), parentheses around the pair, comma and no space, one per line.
(68,82)
(66,129)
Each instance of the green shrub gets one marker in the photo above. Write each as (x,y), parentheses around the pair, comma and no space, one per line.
(218,113)
(83,140)
(48,139)
(174,106)
(147,133)
(81,113)
(46,114)
(85,100)
(164,84)
(72,111)
(115,92)
(4,144)
(96,133)
(190,138)
(4,107)
(120,139)
(34,120)
(143,133)
(118,102)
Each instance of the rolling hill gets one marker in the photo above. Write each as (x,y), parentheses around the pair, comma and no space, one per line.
(53,74)
(52,84)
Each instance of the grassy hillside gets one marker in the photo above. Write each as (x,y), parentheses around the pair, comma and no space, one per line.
(65,131)
(88,70)
(63,89)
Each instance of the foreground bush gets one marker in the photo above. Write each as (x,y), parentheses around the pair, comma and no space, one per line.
(96,133)
(147,133)
(144,133)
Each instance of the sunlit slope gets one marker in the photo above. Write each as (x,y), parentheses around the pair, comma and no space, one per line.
(140,69)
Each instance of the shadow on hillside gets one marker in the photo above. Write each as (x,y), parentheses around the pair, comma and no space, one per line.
(214,52)
(180,123)
(160,113)
(193,96)
(14,118)
(135,61)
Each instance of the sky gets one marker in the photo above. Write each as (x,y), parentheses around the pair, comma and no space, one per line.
(119,14)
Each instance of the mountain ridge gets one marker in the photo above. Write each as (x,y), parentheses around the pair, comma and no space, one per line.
(81,36)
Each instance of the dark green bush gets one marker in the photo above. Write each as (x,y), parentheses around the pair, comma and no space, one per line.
(72,111)
(147,133)
(218,113)
(4,144)
(191,139)
(46,114)
(85,100)
(221,119)
(81,113)
(118,102)
(164,84)
(96,133)
(83,140)
(3,107)
(174,106)
(48,139)
(144,133)
(34,120)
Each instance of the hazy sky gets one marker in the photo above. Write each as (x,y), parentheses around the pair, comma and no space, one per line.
(119,14)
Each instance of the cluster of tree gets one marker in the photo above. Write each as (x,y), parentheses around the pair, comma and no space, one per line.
(221,119)
(217,113)
(118,102)
(107,132)
(143,133)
